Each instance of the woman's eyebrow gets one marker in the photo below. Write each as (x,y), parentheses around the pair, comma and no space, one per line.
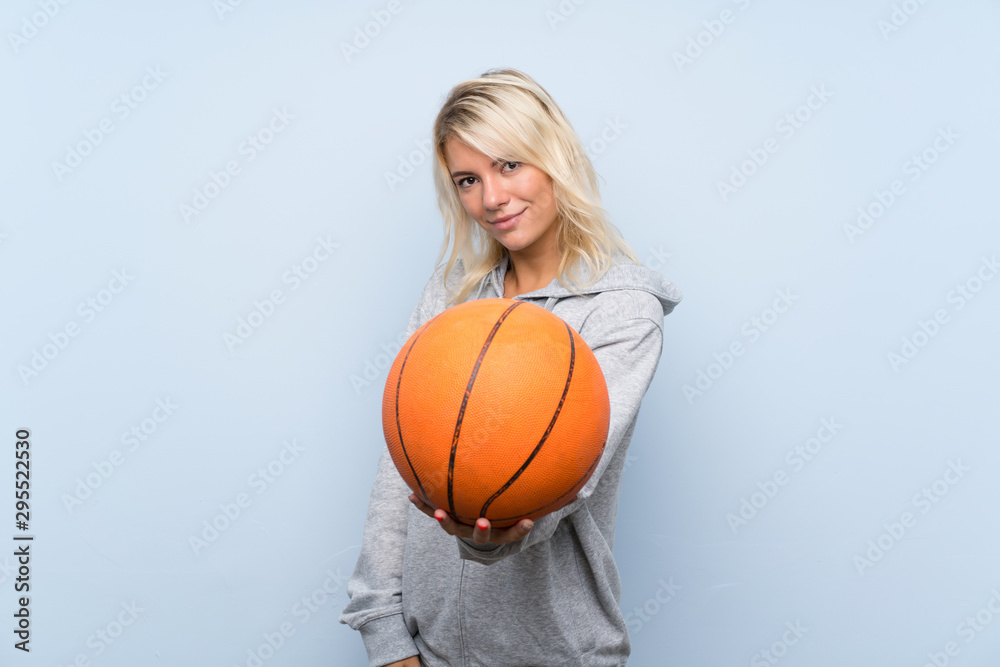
(469,173)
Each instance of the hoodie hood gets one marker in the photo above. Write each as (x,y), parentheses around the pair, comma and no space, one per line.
(623,275)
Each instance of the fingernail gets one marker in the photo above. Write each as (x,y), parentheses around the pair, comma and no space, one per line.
(480,526)
(528,526)
(439,518)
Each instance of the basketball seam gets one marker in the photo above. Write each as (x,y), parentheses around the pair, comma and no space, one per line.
(465,402)
(585,475)
(548,430)
(399,426)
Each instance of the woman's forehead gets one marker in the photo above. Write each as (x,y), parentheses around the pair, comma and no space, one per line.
(455,149)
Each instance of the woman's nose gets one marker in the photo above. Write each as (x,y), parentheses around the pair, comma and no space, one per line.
(494,193)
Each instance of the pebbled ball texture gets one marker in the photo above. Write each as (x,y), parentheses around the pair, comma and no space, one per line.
(496,408)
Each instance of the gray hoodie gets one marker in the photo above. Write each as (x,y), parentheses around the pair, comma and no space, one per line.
(552,598)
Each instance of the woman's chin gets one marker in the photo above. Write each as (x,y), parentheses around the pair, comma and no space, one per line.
(512,244)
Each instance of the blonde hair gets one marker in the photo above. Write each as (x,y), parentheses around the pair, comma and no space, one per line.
(507,116)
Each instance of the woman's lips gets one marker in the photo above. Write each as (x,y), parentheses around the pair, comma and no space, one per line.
(508,223)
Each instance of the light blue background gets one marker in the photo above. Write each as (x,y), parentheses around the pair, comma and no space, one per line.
(300,376)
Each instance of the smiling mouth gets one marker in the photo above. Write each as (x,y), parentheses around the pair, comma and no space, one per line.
(499,221)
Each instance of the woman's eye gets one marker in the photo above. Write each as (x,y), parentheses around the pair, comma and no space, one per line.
(508,164)
(461,182)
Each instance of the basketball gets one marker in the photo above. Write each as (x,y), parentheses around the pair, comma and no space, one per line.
(495,408)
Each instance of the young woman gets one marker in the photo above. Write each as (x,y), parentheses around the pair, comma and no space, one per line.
(523,218)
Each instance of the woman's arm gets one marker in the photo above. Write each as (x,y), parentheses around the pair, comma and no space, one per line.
(627,346)
(375,587)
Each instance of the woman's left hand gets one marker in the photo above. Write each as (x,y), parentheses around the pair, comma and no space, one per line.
(482,533)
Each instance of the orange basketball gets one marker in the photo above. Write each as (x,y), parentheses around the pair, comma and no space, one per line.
(496,408)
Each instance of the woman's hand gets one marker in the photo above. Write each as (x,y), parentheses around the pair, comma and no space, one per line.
(412,661)
(482,533)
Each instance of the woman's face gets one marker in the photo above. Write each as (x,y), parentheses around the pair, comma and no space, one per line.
(513,201)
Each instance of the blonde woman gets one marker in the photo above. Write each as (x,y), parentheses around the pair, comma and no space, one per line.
(523,220)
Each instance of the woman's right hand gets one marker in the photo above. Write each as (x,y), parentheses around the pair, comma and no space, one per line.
(482,532)
(412,661)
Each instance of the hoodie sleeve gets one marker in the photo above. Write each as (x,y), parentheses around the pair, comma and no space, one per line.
(375,588)
(626,336)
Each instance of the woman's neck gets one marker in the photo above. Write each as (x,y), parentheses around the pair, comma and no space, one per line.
(527,273)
